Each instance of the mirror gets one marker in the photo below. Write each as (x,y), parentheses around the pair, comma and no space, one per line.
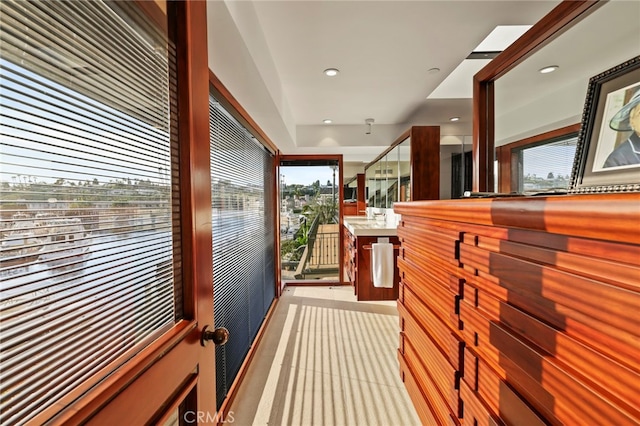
(381,177)
(528,102)
(392,176)
(404,170)
(555,25)
(351,190)
(370,178)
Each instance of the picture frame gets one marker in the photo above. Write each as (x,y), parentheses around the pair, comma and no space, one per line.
(608,150)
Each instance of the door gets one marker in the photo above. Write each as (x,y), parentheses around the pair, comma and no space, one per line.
(311,200)
(165,375)
(176,375)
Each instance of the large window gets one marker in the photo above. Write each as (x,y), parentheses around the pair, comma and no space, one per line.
(242,194)
(87,161)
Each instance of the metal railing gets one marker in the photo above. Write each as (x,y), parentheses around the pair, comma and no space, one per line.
(322,254)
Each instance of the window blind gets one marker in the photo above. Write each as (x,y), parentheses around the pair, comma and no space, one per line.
(546,167)
(243,186)
(87,207)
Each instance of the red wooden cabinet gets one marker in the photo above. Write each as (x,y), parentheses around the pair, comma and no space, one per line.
(357,267)
(522,311)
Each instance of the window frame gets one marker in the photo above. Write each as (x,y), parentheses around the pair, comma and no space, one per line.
(174,370)
(507,155)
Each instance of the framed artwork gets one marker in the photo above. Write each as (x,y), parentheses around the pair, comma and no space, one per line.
(608,149)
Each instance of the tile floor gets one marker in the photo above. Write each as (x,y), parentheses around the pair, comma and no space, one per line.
(326,359)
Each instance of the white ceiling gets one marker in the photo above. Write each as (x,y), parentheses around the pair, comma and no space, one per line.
(271,56)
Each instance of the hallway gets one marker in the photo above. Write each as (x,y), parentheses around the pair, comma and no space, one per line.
(326,359)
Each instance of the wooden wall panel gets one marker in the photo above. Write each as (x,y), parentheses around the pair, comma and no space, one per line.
(538,321)
(425,162)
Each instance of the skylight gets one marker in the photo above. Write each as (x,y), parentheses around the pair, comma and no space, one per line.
(458,84)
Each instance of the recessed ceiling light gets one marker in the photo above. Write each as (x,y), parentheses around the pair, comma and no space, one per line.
(547,70)
(327,121)
(454,119)
(331,72)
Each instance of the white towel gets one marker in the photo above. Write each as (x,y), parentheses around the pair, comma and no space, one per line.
(382,264)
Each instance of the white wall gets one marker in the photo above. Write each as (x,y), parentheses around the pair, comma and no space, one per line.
(244,66)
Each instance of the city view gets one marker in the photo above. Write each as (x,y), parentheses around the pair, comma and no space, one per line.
(309,224)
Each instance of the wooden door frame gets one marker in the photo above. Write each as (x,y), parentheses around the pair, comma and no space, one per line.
(340,201)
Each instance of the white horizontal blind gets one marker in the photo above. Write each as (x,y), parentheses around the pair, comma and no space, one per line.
(546,167)
(88,216)
(243,233)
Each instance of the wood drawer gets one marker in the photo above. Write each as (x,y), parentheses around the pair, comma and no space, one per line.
(432,289)
(494,394)
(548,384)
(424,410)
(440,332)
(474,410)
(418,345)
(620,384)
(435,401)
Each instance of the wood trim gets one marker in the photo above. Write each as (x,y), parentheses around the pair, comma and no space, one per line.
(616,215)
(195,180)
(483,135)
(340,220)
(507,177)
(560,19)
(425,163)
(361,201)
(92,397)
(311,157)
(232,105)
(544,137)
(185,391)
(276,229)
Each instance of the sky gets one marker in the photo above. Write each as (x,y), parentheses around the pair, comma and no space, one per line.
(306,175)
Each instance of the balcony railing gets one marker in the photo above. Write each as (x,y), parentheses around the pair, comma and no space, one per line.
(321,257)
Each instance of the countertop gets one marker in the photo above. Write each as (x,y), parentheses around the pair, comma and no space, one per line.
(362,226)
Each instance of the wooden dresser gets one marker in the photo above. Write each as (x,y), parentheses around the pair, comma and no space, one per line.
(521,311)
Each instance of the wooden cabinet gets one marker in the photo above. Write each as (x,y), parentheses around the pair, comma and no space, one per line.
(350,209)
(521,311)
(357,267)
